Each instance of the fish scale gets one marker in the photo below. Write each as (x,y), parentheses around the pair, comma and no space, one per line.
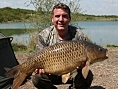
(52,55)
(58,59)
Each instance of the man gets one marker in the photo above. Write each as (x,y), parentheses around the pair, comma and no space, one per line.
(60,31)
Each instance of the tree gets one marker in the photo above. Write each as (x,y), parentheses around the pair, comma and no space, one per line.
(42,17)
(43,10)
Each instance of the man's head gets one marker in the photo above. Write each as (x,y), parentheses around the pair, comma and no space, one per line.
(61,16)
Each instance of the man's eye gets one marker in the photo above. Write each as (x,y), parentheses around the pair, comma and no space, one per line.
(100,49)
(57,16)
(65,16)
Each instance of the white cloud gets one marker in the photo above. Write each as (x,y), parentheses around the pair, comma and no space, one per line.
(96,7)
(15,4)
(100,7)
(4,4)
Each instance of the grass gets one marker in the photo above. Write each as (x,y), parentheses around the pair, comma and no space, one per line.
(112,46)
(18,47)
(9,32)
(21,48)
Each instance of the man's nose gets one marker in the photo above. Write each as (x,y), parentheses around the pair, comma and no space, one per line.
(61,18)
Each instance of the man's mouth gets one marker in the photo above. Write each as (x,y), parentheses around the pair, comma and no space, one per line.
(60,24)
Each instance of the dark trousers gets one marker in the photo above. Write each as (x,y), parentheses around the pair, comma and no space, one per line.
(76,80)
(5,83)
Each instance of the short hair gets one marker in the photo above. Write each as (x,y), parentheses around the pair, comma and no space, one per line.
(61,6)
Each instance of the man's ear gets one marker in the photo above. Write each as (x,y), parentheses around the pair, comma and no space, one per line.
(52,19)
(70,18)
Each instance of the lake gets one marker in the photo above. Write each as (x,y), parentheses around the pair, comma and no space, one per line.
(101,33)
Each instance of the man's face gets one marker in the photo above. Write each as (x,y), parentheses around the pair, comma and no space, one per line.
(60,19)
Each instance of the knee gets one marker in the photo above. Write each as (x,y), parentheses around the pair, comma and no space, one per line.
(81,82)
(90,76)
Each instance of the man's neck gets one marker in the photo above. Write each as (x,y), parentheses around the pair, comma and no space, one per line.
(62,34)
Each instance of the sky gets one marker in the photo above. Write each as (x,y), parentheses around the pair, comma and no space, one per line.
(92,7)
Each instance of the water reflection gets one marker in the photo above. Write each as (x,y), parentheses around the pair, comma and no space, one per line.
(21,39)
(14,25)
(102,33)
(103,37)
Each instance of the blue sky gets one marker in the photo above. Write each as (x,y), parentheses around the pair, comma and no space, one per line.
(93,7)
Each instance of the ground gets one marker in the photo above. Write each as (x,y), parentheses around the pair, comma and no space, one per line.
(105,72)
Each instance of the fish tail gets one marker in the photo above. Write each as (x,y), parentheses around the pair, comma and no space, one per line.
(18,76)
(18,80)
(14,72)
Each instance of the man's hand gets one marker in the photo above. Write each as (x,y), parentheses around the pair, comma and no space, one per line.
(39,71)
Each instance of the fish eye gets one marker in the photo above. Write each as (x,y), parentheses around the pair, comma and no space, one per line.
(100,49)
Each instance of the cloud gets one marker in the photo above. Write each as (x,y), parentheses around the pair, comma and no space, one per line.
(95,7)
(4,4)
(16,4)
(100,7)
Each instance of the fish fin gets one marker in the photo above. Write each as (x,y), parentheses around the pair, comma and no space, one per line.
(17,75)
(6,68)
(85,70)
(65,77)
(18,80)
(14,72)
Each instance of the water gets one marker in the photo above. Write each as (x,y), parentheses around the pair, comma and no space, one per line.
(21,39)
(101,33)
(14,25)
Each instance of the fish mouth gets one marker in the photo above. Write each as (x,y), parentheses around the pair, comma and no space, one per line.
(106,54)
(106,57)
(99,59)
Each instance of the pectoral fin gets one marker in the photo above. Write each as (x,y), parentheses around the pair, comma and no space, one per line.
(85,70)
(65,77)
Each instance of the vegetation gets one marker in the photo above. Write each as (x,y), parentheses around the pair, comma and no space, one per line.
(9,14)
(18,47)
(9,32)
(112,46)
(42,14)
(85,17)
(21,48)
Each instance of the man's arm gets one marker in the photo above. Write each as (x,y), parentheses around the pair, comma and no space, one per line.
(80,35)
(40,43)
(43,38)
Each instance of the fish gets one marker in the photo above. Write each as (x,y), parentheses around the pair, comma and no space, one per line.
(59,59)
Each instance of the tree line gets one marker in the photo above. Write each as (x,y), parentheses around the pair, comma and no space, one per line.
(8,14)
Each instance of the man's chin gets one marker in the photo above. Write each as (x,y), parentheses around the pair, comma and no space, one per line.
(60,28)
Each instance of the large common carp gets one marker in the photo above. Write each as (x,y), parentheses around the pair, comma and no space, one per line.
(59,59)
